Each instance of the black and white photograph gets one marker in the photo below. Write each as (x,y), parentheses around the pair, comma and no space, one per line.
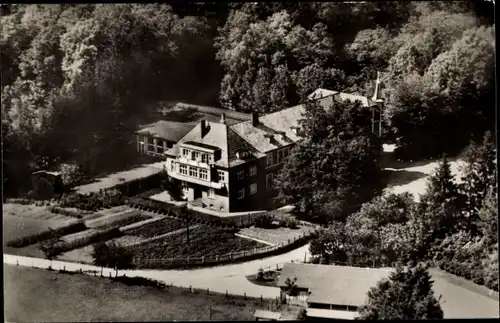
(249,161)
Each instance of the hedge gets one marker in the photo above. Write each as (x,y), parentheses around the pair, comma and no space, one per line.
(47,234)
(88,237)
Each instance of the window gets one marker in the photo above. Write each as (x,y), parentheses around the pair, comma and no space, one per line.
(269,161)
(185,152)
(285,152)
(280,156)
(241,174)
(211,193)
(196,155)
(183,169)
(193,171)
(269,180)
(275,157)
(204,158)
(159,149)
(253,188)
(253,170)
(203,174)
(222,175)
(241,193)
(151,147)
(172,166)
(141,147)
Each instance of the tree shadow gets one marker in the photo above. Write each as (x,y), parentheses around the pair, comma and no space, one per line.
(393,178)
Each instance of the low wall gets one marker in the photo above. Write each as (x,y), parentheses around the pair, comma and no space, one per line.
(217,260)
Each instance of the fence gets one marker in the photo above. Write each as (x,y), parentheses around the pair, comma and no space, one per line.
(130,278)
(180,262)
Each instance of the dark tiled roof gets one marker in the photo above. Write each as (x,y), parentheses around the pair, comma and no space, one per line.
(221,136)
(168,130)
(337,285)
(272,125)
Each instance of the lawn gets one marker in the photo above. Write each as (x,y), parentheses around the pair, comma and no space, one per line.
(32,212)
(274,236)
(38,295)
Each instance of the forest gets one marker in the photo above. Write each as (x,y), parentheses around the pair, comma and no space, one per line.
(76,78)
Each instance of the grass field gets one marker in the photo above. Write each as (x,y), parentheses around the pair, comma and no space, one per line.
(37,295)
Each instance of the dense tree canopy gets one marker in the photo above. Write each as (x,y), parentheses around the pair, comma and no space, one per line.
(75,76)
(335,168)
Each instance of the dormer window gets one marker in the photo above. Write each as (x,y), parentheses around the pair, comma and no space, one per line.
(196,155)
(185,152)
(242,154)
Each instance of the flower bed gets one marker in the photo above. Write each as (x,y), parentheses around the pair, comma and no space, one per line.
(157,228)
(204,241)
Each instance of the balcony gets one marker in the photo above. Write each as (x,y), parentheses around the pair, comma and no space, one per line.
(196,180)
(197,163)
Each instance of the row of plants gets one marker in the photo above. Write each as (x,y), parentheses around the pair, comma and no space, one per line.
(203,241)
(86,238)
(157,228)
(94,201)
(117,220)
(65,212)
(47,234)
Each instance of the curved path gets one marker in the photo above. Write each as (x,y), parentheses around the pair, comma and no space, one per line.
(230,278)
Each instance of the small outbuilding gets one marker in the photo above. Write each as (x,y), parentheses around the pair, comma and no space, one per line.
(262,315)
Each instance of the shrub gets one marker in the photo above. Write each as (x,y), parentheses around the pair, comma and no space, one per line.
(43,189)
(264,221)
(289,223)
(111,254)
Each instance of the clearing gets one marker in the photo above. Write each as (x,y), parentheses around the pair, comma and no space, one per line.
(43,296)
(412,176)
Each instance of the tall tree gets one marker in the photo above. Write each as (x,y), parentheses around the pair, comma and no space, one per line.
(479,175)
(335,168)
(406,295)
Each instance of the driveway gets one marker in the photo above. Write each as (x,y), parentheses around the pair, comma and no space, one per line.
(230,278)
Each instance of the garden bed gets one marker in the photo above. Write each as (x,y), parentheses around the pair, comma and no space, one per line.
(117,220)
(157,228)
(204,241)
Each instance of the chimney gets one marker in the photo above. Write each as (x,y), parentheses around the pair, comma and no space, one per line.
(254,118)
(269,137)
(223,118)
(204,128)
